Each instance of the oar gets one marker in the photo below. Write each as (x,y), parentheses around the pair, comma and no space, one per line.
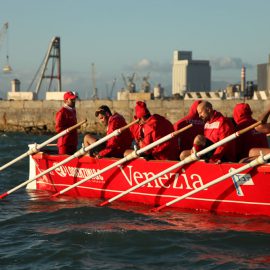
(37,147)
(80,152)
(129,157)
(258,161)
(191,158)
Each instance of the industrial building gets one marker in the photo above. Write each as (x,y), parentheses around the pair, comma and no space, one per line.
(263,76)
(189,75)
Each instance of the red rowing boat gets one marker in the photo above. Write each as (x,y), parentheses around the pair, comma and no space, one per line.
(245,193)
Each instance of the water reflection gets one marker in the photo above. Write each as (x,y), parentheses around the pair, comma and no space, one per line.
(139,217)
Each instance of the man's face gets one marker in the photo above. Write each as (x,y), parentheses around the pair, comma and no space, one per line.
(103,119)
(71,102)
(204,113)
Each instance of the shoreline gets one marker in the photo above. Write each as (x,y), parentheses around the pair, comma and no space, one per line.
(38,117)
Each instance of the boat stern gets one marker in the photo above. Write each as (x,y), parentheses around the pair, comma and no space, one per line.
(32,171)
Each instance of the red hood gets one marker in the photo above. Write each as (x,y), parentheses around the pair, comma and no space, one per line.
(193,110)
(241,112)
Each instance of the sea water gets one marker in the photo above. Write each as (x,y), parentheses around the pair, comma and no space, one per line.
(64,233)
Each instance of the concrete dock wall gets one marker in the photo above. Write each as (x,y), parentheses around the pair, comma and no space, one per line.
(39,116)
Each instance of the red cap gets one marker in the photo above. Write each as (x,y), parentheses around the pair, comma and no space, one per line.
(141,109)
(70,95)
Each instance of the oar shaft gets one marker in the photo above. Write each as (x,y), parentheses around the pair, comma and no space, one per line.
(119,162)
(191,158)
(258,161)
(57,136)
(14,160)
(175,166)
(227,139)
(109,136)
(80,152)
(129,157)
(37,147)
(75,155)
(244,130)
(163,139)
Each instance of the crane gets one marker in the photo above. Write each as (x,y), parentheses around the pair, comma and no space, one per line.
(130,86)
(112,88)
(54,55)
(4,32)
(125,81)
(146,86)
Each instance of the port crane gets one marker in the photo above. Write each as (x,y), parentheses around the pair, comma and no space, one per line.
(3,33)
(130,86)
(146,86)
(51,63)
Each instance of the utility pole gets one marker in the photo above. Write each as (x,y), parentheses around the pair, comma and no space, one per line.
(94,84)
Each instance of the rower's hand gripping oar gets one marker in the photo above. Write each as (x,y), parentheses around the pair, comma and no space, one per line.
(258,161)
(191,158)
(129,157)
(80,152)
(37,147)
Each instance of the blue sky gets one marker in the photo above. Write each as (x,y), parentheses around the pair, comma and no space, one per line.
(124,36)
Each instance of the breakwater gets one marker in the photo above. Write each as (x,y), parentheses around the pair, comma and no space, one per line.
(38,116)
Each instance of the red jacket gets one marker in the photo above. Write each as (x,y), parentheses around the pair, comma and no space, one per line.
(251,139)
(116,146)
(216,129)
(65,118)
(153,129)
(186,138)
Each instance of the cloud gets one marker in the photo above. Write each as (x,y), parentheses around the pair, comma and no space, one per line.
(146,65)
(222,63)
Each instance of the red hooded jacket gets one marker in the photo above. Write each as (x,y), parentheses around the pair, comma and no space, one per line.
(251,139)
(116,146)
(216,129)
(153,129)
(65,118)
(186,138)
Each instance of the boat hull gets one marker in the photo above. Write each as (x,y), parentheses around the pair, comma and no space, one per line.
(245,193)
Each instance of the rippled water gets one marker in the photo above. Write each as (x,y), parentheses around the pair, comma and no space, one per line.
(65,233)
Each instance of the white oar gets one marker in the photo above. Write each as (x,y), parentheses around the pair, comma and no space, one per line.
(129,157)
(80,152)
(191,158)
(258,161)
(37,147)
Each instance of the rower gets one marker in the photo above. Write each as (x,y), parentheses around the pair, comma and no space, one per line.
(151,128)
(185,139)
(65,118)
(115,146)
(216,128)
(242,115)
(263,128)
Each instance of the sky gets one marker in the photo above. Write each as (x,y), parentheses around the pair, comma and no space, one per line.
(126,37)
